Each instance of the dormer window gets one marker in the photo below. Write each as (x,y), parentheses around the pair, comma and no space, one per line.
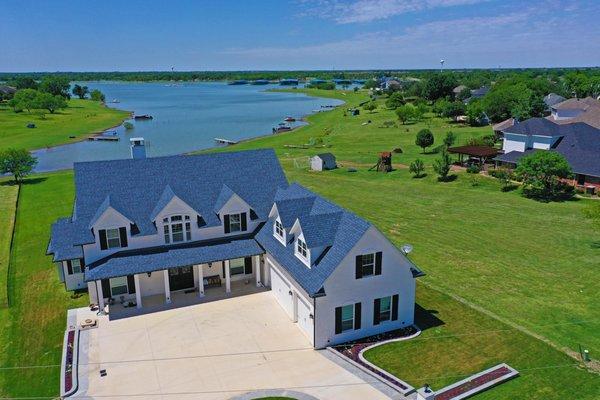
(113,238)
(235,222)
(301,248)
(177,228)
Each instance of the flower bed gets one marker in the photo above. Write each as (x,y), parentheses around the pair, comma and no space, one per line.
(69,361)
(352,350)
(480,382)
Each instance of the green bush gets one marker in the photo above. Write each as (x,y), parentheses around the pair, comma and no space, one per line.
(128,125)
(473,169)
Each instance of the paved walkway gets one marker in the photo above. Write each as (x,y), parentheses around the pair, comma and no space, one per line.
(217,350)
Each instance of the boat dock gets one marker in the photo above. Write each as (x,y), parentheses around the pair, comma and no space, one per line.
(225,141)
(104,138)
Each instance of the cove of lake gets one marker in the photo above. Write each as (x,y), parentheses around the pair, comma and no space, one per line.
(186,117)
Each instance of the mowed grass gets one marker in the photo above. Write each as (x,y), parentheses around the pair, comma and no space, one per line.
(80,119)
(8,206)
(462,341)
(533,264)
(31,330)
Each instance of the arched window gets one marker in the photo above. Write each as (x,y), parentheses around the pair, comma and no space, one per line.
(177,228)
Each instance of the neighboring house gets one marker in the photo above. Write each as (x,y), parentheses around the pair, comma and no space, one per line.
(552,99)
(577,110)
(578,142)
(501,126)
(160,229)
(7,91)
(322,162)
(457,90)
(477,94)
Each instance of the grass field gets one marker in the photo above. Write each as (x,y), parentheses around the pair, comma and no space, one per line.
(31,329)
(461,341)
(80,119)
(8,204)
(535,265)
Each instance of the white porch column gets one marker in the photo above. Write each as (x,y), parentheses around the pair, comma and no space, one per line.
(257,270)
(200,280)
(295,305)
(167,287)
(227,277)
(100,296)
(138,292)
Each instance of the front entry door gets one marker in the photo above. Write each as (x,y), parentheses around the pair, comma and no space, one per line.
(181,278)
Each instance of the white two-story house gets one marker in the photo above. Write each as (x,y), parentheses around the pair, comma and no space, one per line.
(171,229)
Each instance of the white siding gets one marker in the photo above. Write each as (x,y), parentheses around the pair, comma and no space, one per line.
(281,290)
(342,288)
(153,284)
(316,164)
(73,281)
(514,143)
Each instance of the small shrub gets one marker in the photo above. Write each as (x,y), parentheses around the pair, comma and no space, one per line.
(442,166)
(417,168)
(473,169)
(388,124)
(475,181)
(128,125)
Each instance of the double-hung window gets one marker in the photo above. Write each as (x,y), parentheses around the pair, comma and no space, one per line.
(279,229)
(385,308)
(76,266)
(177,228)
(118,286)
(236,266)
(368,264)
(113,238)
(301,248)
(347,317)
(235,223)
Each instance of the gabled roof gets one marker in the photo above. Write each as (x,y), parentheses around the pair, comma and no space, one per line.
(138,188)
(552,99)
(507,123)
(224,195)
(535,126)
(327,158)
(323,224)
(577,104)
(579,143)
(63,239)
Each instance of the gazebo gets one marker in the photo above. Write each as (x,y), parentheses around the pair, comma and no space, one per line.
(482,153)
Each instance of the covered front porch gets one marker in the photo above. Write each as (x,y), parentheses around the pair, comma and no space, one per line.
(151,291)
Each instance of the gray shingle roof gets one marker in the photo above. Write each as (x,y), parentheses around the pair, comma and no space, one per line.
(328,158)
(158,258)
(63,234)
(138,188)
(535,126)
(341,232)
(579,143)
(552,99)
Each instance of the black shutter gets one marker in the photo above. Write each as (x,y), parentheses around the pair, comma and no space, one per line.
(378,257)
(69,267)
(244,221)
(338,320)
(226,223)
(106,288)
(223,268)
(103,242)
(131,284)
(82,264)
(123,235)
(395,307)
(357,315)
(376,307)
(359,267)
(248,265)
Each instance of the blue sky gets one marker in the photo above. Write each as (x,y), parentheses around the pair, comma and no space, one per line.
(132,35)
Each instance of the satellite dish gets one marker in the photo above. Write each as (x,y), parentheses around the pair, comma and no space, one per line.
(406,248)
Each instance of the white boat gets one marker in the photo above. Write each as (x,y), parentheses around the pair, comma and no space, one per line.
(115,101)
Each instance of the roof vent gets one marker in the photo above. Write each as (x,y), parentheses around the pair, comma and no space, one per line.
(138,148)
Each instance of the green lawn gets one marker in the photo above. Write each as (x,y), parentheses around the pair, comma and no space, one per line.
(462,341)
(31,330)
(534,264)
(80,119)
(8,204)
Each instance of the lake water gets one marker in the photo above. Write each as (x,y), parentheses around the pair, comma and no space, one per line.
(187,117)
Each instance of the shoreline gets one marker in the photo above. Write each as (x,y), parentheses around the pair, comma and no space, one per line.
(304,118)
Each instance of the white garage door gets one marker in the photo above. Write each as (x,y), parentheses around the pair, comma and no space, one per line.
(304,321)
(281,290)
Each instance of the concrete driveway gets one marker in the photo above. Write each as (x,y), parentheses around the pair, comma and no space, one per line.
(215,350)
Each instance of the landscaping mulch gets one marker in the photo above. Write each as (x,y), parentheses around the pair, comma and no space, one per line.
(69,362)
(472,384)
(352,349)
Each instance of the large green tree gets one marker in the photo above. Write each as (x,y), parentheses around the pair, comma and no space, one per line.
(439,85)
(424,139)
(80,91)
(25,99)
(405,113)
(56,85)
(542,173)
(49,102)
(395,100)
(17,162)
